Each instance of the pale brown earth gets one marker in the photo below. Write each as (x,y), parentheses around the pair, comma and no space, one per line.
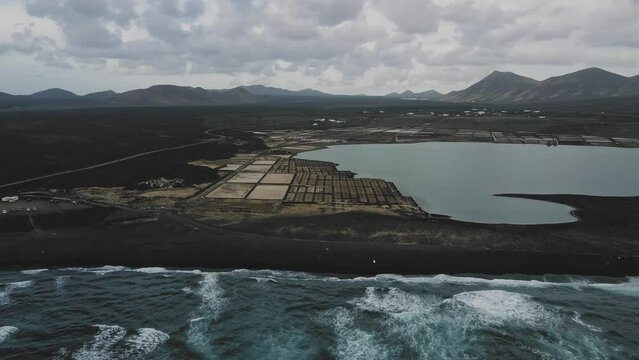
(171,193)
(268,192)
(231,191)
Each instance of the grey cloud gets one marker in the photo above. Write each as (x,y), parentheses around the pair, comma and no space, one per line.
(304,38)
(412,16)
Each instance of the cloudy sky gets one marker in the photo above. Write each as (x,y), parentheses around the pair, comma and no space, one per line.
(338,46)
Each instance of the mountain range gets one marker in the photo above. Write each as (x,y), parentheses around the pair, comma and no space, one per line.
(426,95)
(591,83)
(498,87)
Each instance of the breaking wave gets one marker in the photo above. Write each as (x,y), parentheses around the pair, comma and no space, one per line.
(351,341)
(199,330)
(5,295)
(497,307)
(33,271)
(6,332)
(101,347)
(111,343)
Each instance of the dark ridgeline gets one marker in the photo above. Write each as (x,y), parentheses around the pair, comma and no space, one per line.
(425,95)
(498,87)
(592,83)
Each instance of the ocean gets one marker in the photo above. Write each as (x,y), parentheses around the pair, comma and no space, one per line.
(155,313)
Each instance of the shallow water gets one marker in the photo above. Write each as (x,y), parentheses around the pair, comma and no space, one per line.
(121,313)
(460,179)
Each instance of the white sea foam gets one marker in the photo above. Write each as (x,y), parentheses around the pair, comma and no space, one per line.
(5,295)
(417,321)
(6,332)
(538,352)
(147,270)
(497,307)
(393,301)
(281,274)
(353,342)
(60,281)
(629,288)
(33,271)
(101,347)
(151,270)
(107,269)
(577,318)
(111,342)
(20,284)
(446,329)
(212,294)
(144,343)
(161,270)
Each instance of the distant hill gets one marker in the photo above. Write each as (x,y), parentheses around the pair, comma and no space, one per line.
(505,87)
(427,95)
(165,95)
(54,94)
(157,95)
(591,83)
(261,90)
(101,95)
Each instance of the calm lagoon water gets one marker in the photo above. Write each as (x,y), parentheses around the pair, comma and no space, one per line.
(460,179)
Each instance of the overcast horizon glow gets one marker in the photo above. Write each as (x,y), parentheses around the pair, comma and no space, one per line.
(341,47)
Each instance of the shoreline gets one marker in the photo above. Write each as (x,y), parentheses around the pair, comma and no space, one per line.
(316,257)
(175,242)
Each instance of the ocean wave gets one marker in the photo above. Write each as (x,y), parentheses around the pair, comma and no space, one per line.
(161,270)
(5,295)
(451,328)
(577,318)
(629,287)
(111,342)
(498,307)
(101,347)
(33,271)
(212,295)
(6,332)
(353,342)
(280,274)
(96,270)
(394,301)
(60,281)
(211,307)
(144,343)
(146,270)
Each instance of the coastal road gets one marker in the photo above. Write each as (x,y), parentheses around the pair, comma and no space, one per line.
(218,139)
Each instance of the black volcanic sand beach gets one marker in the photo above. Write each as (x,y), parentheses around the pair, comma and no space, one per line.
(594,246)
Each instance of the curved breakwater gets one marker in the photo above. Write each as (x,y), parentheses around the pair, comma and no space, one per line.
(155,313)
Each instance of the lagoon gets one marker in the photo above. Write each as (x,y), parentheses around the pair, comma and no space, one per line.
(461,179)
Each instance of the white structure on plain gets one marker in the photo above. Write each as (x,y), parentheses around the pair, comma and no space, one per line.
(10,199)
